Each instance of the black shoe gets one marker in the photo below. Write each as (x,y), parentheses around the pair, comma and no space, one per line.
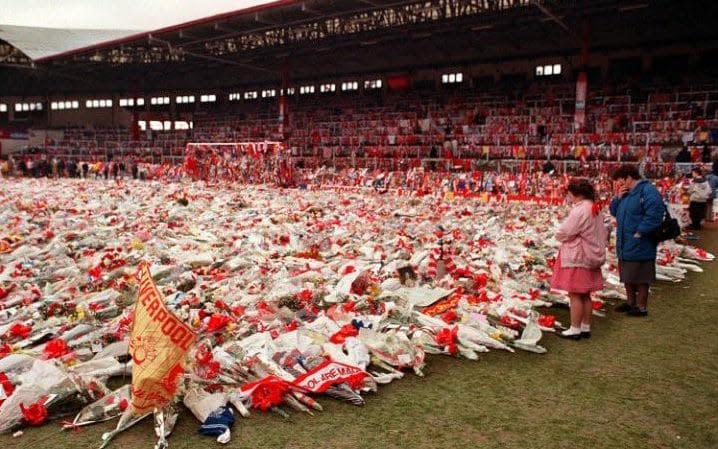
(637,312)
(625,307)
(586,335)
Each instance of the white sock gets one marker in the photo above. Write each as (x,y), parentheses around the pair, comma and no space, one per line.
(572,331)
(585,327)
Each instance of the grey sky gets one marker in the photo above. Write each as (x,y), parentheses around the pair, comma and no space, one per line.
(113,14)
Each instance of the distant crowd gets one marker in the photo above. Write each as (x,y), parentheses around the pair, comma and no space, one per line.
(43,167)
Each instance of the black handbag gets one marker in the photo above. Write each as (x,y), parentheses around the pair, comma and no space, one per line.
(669,228)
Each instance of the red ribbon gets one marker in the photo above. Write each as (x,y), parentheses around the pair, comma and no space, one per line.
(67,424)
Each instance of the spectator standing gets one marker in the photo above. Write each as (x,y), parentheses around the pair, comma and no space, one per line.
(584,237)
(700,193)
(683,161)
(706,154)
(639,211)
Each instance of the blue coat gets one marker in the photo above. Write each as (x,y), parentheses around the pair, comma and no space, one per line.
(641,210)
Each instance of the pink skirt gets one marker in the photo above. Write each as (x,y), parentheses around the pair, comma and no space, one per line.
(575,279)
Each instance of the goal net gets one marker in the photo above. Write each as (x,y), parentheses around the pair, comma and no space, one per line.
(259,162)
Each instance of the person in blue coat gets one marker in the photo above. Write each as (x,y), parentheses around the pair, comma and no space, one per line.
(639,211)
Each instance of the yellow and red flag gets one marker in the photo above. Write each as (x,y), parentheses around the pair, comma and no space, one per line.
(158,345)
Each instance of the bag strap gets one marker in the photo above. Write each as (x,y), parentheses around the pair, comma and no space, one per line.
(666,212)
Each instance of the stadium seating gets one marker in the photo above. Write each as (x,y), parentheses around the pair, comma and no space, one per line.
(409,129)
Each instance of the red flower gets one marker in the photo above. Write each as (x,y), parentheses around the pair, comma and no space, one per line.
(218,276)
(5,349)
(450,316)
(509,322)
(269,393)
(349,306)
(346,331)
(596,305)
(20,330)
(447,339)
(547,321)
(95,307)
(360,285)
(217,322)
(35,415)
(305,295)
(6,386)
(124,403)
(203,356)
(55,348)
(212,370)
(480,280)
(96,272)
(5,292)
(238,310)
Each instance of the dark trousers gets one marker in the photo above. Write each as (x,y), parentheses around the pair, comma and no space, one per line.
(697,212)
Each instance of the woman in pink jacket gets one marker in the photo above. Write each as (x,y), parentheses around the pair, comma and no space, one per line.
(584,237)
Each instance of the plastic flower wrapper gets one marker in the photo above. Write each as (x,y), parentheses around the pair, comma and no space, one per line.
(45,391)
(201,403)
(393,348)
(100,367)
(531,335)
(23,395)
(262,275)
(109,407)
(164,422)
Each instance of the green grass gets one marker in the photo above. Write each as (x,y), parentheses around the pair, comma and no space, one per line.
(638,383)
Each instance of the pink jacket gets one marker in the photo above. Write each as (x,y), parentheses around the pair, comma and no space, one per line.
(583,238)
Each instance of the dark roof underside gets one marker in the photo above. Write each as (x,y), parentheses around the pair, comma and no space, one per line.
(323,38)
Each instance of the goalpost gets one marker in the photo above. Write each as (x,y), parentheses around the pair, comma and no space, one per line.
(253,162)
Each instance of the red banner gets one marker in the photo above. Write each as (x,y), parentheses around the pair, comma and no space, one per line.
(581,94)
(330,373)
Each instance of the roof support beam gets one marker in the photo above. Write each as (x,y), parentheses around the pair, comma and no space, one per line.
(556,19)
(212,58)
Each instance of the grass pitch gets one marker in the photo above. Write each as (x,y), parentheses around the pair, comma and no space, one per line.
(638,383)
